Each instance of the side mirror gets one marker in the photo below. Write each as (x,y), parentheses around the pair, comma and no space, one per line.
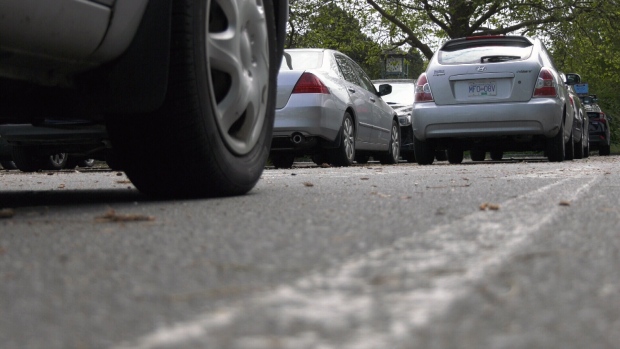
(385,89)
(572,79)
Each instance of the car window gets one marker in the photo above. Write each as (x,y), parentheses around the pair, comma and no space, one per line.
(347,69)
(484,54)
(301,60)
(364,79)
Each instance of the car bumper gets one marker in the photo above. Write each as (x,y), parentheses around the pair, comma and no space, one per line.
(315,116)
(536,117)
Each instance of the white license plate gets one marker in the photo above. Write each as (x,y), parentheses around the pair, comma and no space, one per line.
(482,89)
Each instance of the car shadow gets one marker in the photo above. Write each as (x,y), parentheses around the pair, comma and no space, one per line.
(30,198)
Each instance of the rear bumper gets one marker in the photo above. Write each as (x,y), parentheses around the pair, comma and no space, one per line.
(537,117)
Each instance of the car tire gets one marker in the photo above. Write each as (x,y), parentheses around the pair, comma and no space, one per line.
(212,135)
(569,147)
(8,165)
(604,150)
(579,148)
(282,159)
(477,154)
(496,155)
(393,153)
(344,155)
(555,146)
(455,155)
(319,158)
(27,159)
(424,151)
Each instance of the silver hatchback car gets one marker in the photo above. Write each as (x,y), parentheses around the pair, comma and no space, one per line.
(327,107)
(491,93)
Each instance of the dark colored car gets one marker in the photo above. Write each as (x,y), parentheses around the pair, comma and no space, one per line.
(177,84)
(599,129)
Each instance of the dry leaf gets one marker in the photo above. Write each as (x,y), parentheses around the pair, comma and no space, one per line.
(61,186)
(7,213)
(308,184)
(488,206)
(564,203)
(325,165)
(112,216)
(126,181)
(364,178)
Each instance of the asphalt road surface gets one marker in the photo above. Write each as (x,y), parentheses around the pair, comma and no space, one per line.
(512,254)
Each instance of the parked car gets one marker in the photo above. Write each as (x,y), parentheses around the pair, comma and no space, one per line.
(401,100)
(328,108)
(52,145)
(581,147)
(178,84)
(599,129)
(491,93)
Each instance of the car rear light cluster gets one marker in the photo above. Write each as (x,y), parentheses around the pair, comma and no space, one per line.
(310,83)
(423,90)
(545,84)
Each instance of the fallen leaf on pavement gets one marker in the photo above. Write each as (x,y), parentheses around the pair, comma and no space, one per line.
(564,203)
(112,216)
(7,213)
(308,184)
(488,206)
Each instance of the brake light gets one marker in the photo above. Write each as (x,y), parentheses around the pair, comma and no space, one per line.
(545,84)
(310,83)
(423,90)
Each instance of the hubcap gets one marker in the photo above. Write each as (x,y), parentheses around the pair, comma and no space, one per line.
(349,141)
(395,143)
(238,59)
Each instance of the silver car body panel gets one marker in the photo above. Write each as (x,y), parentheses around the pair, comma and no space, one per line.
(510,109)
(321,115)
(85,34)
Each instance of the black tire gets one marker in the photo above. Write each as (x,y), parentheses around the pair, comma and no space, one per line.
(496,155)
(604,150)
(569,147)
(409,156)
(27,159)
(8,165)
(455,155)
(441,155)
(319,158)
(282,159)
(362,158)
(393,153)
(477,154)
(424,151)
(579,148)
(344,155)
(212,135)
(555,146)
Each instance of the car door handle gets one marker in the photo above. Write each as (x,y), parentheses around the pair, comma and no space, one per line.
(372,99)
(352,90)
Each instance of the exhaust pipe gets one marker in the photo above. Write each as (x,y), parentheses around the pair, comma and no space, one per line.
(297,138)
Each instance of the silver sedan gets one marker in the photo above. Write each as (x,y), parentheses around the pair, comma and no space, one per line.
(491,93)
(328,108)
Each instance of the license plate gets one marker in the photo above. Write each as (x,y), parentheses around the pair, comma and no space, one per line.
(477,89)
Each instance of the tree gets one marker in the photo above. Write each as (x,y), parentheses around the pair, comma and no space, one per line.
(324,24)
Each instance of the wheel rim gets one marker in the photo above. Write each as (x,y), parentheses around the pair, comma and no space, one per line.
(238,60)
(395,142)
(349,141)
(58,159)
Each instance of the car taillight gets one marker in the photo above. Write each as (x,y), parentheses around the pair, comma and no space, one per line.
(310,83)
(423,90)
(545,84)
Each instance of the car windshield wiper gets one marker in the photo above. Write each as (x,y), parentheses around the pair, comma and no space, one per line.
(498,58)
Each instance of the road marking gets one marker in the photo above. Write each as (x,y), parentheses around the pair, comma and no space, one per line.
(376,301)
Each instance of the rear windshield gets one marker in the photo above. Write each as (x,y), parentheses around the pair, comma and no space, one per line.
(301,60)
(484,54)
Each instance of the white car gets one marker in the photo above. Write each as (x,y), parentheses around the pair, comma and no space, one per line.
(185,88)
